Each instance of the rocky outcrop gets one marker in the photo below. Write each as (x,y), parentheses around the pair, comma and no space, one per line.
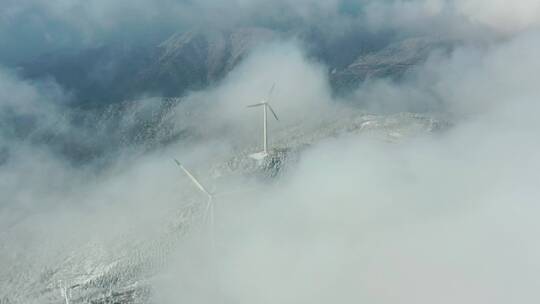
(391,62)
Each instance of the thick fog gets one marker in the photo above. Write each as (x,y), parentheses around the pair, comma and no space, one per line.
(441,217)
(437,218)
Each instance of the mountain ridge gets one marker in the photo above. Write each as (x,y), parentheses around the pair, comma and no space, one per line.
(192,60)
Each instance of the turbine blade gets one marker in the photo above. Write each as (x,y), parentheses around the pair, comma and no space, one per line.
(255,105)
(272,110)
(193,179)
(271,91)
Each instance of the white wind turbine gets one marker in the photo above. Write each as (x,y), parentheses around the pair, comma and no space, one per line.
(266,106)
(65,294)
(209,213)
(209,210)
(65,291)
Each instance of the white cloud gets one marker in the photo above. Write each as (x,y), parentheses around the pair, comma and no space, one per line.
(504,16)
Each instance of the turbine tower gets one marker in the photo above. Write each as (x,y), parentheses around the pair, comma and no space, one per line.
(266,106)
(65,292)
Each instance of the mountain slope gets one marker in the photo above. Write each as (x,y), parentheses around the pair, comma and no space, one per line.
(392,61)
(123,270)
(113,73)
(195,59)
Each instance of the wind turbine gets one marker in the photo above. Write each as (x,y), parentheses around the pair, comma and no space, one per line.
(266,106)
(65,291)
(209,211)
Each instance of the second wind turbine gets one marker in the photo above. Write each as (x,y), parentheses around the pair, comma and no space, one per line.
(266,106)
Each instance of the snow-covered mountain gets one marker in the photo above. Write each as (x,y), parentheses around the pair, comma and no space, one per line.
(194,59)
(117,72)
(104,78)
(123,270)
(390,62)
